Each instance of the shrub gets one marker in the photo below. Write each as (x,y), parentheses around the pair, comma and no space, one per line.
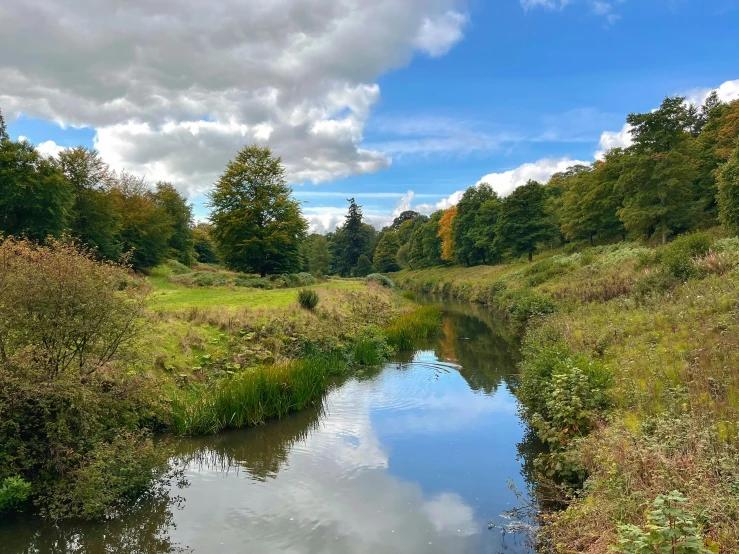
(546,269)
(304,279)
(253,282)
(14,491)
(61,309)
(371,347)
(669,528)
(177,267)
(409,295)
(524,304)
(380,279)
(677,257)
(654,283)
(209,279)
(308,299)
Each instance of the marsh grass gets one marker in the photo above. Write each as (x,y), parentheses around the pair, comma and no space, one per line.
(254,396)
(404,332)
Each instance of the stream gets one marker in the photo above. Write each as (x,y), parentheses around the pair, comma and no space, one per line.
(415,456)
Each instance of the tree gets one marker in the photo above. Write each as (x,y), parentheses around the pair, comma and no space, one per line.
(351,240)
(425,250)
(446,234)
(364,267)
(257,224)
(35,198)
(728,192)
(94,219)
(659,172)
(317,256)
(474,235)
(523,221)
(386,252)
(181,243)
(3,128)
(145,227)
(205,249)
(590,202)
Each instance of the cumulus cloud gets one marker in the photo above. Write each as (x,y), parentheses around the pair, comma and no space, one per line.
(46,148)
(614,139)
(175,89)
(727,92)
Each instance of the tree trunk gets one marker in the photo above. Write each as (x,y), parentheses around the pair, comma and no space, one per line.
(531,256)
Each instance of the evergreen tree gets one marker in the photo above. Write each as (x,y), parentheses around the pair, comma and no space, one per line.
(3,128)
(351,240)
(182,242)
(94,219)
(35,197)
(363,267)
(257,225)
(728,192)
(386,252)
(524,222)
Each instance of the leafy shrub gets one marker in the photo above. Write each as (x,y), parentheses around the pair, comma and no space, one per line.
(61,309)
(177,267)
(670,529)
(380,279)
(646,258)
(304,279)
(14,491)
(208,279)
(524,304)
(655,283)
(308,299)
(677,257)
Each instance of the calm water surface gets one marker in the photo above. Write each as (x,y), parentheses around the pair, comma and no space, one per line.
(412,457)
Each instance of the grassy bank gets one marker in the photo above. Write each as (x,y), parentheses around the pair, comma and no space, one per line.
(629,374)
(88,374)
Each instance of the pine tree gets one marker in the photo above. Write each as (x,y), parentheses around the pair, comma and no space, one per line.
(351,240)
(3,128)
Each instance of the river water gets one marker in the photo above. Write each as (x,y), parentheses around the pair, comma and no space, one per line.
(416,456)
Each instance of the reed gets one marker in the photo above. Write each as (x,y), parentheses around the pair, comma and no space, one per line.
(404,332)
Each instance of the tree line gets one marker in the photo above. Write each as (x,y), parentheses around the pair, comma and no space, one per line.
(681,173)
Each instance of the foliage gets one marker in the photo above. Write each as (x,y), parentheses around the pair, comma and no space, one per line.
(92,313)
(316,255)
(14,491)
(446,234)
(371,347)
(523,222)
(525,304)
(678,257)
(205,248)
(351,240)
(728,192)
(380,279)
(35,198)
(475,225)
(363,268)
(422,323)
(386,252)
(308,299)
(670,528)
(257,225)
(177,268)
(179,212)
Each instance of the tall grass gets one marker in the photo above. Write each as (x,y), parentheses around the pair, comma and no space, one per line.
(253,396)
(422,323)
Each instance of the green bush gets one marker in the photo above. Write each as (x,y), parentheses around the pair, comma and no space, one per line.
(177,267)
(380,279)
(679,256)
(670,529)
(524,304)
(253,282)
(14,492)
(308,298)
(209,279)
(655,283)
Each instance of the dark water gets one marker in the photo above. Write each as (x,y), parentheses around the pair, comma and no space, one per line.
(413,457)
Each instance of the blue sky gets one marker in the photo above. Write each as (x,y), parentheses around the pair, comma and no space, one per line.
(479,89)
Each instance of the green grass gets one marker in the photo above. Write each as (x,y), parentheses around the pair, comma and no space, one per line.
(408,329)
(253,396)
(170,296)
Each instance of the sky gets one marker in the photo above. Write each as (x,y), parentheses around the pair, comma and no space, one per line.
(401,104)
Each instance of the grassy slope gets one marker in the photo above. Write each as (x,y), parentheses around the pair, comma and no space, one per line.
(674,354)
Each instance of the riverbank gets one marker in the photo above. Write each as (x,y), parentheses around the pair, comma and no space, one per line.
(629,375)
(89,373)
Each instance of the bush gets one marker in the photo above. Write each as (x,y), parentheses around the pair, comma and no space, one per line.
(177,267)
(546,269)
(62,310)
(678,256)
(371,348)
(14,491)
(655,283)
(524,304)
(409,295)
(308,299)
(253,282)
(380,279)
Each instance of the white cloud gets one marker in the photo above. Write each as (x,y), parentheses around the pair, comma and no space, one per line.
(603,8)
(175,89)
(727,92)
(614,139)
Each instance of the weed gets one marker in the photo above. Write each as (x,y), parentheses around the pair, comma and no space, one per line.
(308,299)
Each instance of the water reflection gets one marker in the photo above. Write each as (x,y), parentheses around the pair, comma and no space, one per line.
(412,457)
